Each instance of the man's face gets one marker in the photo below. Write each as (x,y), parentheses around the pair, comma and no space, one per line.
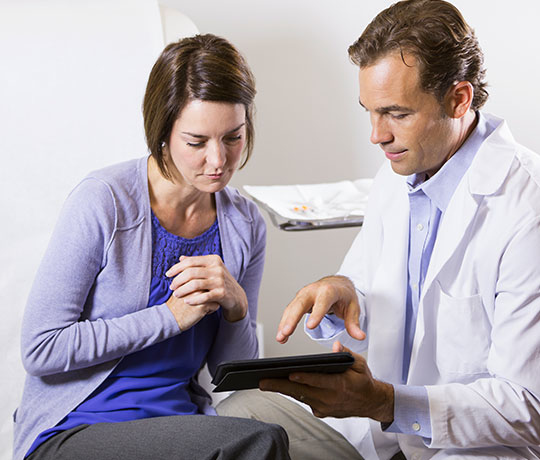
(408,123)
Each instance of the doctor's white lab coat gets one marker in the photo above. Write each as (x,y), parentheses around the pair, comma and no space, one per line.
(477,341)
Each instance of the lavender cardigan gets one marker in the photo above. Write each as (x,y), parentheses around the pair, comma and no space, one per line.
(76,327)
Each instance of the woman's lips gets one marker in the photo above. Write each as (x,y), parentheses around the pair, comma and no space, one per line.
(214,176)
(393,156)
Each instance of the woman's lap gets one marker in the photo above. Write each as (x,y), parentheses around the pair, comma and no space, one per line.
(174,437)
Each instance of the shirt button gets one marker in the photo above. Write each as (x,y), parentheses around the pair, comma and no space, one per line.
(415,286)
(420,227)
(416,426)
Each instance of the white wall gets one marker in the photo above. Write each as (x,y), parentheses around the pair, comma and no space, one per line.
(310,127)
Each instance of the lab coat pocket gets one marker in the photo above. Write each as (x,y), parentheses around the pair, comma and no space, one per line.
(463,335)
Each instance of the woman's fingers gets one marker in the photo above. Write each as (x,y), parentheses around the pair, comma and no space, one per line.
(206,282)
(191,286)
(194,261)
(203,279)
(187,315)
(200,298)
(192,273)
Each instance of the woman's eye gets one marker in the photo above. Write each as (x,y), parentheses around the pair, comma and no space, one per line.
(233,139)
(195,144)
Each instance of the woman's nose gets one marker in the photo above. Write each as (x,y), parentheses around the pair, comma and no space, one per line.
(216,155)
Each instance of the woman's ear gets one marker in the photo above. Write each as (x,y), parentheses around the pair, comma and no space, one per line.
(459,99)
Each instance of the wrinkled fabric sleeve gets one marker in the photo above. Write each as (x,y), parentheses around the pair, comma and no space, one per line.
(56,334)
(238,340)
(411,412)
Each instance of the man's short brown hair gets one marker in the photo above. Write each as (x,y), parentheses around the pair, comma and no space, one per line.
(435,33)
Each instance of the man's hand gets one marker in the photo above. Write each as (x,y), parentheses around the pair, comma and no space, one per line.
(352,393)
(333,294)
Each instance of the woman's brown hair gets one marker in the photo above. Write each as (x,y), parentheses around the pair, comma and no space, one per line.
(435,33)
(203,67)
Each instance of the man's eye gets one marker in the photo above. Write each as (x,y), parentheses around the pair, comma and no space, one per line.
(400,116)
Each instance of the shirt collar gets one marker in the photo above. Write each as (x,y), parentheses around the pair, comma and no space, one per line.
(440,187)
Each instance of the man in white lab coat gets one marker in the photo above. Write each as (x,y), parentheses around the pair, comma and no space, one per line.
(442,285)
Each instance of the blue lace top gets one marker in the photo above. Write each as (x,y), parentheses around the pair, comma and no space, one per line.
(154,381)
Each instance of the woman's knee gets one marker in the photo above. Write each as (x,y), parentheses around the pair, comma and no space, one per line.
(255,440)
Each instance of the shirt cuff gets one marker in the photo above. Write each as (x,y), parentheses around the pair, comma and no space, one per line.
(328,328)
(411,412)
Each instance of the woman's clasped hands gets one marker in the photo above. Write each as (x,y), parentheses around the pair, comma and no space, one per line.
(200,285)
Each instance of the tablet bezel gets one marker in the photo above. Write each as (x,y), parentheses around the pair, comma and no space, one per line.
(246,374)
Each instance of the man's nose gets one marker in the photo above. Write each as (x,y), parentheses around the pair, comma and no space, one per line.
(380,132)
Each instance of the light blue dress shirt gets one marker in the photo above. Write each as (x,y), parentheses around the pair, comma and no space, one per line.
(428,202)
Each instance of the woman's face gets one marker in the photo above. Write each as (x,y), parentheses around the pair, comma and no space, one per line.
(206,144)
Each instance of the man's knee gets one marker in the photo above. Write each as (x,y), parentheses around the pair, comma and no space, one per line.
(240,404)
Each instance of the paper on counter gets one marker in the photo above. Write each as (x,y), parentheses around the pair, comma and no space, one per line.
(337,200)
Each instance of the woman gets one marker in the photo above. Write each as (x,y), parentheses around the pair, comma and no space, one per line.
(153,270)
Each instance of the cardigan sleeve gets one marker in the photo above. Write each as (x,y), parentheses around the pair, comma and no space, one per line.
(57,334)
(238,340)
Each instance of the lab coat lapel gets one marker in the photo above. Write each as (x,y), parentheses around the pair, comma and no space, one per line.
(389,292)
(484,177)
(452,233)
(452,230)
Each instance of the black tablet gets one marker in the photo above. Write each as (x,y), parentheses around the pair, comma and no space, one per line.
(241,375)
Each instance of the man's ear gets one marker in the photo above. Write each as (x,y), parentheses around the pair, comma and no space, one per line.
(459,98)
